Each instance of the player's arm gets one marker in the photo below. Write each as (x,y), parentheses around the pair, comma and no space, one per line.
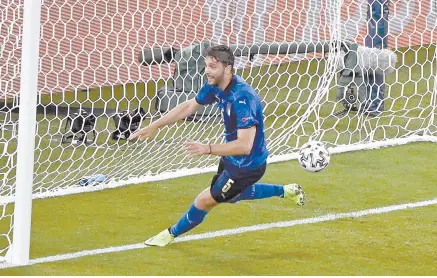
(180,112)
(189,107)
(242,146)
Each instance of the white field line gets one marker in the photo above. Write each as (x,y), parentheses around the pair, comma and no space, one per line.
(240,230)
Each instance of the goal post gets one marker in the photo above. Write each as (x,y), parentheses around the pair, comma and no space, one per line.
(19,253)
(78,62)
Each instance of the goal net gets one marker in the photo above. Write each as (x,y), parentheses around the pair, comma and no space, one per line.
(90,77)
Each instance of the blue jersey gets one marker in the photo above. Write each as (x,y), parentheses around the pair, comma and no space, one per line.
(241,108)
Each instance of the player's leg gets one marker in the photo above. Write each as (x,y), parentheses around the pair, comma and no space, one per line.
(203,203)
(221,190)
(224,187)
(195,214)
(260,191)
(257,191)
(292,192)
(193,217)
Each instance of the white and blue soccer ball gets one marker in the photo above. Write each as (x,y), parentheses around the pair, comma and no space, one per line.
(314,156)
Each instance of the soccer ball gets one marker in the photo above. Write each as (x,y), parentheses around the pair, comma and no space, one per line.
(314,157)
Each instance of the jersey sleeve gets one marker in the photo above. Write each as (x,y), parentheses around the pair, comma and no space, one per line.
(245,110)
(205,95)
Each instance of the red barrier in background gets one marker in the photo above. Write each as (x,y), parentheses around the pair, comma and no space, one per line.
(90,44)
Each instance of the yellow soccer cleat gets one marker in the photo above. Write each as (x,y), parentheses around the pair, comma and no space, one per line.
(162,239)
(295,193)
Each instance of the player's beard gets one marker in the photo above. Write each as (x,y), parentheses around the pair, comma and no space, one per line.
(214,81)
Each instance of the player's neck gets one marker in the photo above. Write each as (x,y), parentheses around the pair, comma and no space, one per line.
(225,82)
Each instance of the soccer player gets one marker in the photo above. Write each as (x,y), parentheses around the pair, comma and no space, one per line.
(243,156)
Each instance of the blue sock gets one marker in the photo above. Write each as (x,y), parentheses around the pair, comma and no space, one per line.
(260,191)
(189,220)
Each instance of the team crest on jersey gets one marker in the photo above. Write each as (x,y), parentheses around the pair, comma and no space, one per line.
(228,109)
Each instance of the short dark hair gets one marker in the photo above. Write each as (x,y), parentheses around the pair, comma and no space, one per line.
(221,53)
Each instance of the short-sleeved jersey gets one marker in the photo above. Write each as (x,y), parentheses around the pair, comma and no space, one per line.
(241,108)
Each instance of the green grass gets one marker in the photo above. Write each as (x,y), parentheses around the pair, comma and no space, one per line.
(396,243)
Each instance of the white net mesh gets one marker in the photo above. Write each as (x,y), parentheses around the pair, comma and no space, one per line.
(88,60)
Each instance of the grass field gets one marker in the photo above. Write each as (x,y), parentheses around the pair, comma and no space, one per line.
(401,242)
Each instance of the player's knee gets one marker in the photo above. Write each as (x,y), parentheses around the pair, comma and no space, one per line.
(205,201)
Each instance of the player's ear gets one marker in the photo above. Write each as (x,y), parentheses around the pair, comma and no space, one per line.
(229,69)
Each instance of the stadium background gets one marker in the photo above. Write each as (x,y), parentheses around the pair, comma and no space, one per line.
(91,44)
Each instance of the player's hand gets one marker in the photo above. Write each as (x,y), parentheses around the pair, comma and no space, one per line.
(144,133)
(195,148)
